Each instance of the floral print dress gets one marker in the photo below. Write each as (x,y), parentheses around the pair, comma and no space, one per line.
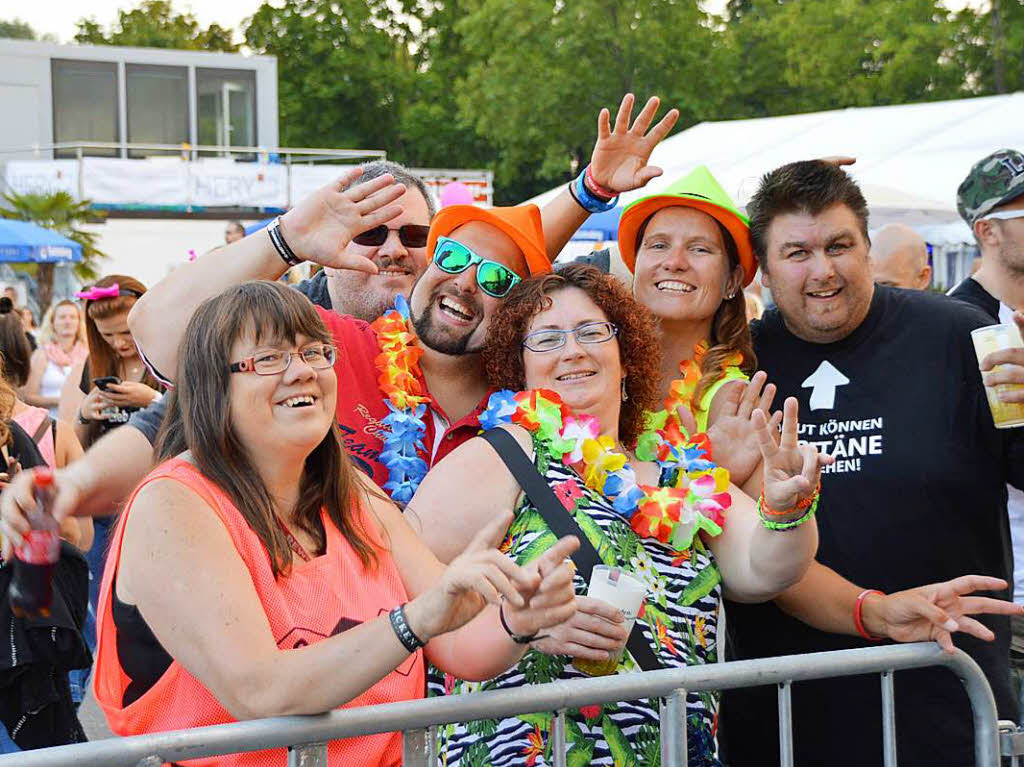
(678,619)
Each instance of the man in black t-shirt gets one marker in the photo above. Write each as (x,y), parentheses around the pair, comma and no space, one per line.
(888,383)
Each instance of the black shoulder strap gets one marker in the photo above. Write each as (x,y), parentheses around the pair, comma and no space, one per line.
(44,426)
(561,524)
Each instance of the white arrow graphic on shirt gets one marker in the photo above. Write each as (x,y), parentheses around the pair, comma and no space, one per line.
(823,383)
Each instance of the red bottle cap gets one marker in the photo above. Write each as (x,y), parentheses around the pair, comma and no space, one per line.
(42,477)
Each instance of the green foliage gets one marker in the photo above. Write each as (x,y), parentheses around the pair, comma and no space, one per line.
(16,29)
(154,24)
(516,85)
(65,215)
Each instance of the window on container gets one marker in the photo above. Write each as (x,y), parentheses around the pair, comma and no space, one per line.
(157,106)
(84,105)
(226,101)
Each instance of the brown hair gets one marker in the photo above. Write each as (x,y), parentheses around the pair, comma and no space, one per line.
(730,329)
(198,419)
(808,186)
(637,337)
(103,360)
(14,346)
(7,399)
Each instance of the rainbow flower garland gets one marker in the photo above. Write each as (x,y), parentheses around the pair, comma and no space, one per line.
(401,383)
(692,498)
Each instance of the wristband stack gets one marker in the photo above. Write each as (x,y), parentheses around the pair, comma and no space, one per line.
(769,516)
(590,195)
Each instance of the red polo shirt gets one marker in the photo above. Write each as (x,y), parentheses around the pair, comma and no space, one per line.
(361,407)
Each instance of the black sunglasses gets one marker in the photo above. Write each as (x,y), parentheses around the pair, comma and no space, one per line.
(411,235)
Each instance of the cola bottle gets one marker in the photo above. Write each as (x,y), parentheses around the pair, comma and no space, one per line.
(31,591)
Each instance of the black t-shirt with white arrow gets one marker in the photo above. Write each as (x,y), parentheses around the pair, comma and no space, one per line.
(917,495)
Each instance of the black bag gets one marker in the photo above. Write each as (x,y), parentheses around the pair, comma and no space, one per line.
(561,524)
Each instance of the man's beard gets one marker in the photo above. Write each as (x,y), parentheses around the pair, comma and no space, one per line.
(430,337)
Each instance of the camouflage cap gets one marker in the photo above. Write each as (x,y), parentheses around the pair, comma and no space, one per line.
(995,180)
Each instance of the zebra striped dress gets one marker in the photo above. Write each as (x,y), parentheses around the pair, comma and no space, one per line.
(679,619)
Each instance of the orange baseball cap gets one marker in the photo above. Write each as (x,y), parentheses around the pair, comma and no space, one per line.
(522,223)
(698,190)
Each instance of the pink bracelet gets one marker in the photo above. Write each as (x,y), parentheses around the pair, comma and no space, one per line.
(596,188)
(858,620)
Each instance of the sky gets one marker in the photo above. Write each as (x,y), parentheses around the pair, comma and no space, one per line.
(58,17)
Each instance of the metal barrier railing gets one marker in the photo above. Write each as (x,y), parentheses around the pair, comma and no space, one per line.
(306,736)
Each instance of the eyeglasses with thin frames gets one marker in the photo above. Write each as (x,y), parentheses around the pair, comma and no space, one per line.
(410,235)
(550,339)
(273,361)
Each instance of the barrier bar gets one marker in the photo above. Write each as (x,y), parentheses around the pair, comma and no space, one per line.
(308,755)
(673,729)
(888,720)
(558,747)
(785,724)
(497,704)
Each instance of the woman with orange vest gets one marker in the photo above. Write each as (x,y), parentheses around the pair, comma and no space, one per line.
(254,573)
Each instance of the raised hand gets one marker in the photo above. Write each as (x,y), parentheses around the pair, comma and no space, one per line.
(932,612)
(731,427)
(321,226)
(791,470)
(619,161)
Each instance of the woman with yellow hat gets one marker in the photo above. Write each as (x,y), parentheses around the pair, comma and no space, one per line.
(690,253)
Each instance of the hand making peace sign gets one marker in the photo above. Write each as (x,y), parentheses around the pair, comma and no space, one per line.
(791,471)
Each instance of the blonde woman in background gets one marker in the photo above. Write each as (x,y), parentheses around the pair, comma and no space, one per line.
(62,345)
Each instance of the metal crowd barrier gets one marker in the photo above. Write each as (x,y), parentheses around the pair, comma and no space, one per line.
(306,737)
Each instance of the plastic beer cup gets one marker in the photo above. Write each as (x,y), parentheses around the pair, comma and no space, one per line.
(995,338)
(619,589)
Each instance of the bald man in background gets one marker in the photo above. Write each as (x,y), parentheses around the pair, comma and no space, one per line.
(899,258)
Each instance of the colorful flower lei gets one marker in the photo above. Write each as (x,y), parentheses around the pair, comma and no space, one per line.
(693,496)
(401,383)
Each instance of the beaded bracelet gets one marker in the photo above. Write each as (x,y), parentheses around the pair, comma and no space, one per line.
(858,619)
(798,506)
(771,524)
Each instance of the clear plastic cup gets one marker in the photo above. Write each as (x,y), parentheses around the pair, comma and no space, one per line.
(993,338)
(622,590)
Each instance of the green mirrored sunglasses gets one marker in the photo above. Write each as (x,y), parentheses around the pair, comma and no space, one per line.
(493,278)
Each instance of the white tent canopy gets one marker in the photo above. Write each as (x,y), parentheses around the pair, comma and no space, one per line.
(910,158)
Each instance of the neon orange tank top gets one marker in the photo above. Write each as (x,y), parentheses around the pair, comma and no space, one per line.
(318,599)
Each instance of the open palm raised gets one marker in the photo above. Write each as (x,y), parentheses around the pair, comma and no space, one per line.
(791,470)
(619,161)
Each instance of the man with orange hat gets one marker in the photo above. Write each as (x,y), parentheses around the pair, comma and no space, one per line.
(411,384)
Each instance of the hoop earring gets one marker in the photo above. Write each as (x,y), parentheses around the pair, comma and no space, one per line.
(625,394)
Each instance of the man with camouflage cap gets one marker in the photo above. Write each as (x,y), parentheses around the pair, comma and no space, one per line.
(991,201)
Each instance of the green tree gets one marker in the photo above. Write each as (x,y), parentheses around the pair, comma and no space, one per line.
(989,45)
(539,73)
(341,73)
(155,24)
(16,29)
(828,54)
(65,215)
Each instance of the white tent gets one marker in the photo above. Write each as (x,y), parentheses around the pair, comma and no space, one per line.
(910,158)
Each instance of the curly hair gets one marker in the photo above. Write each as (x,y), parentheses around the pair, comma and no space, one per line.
(730,328)
(637,337)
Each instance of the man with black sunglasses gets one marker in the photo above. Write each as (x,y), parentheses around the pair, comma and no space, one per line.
(397,248)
